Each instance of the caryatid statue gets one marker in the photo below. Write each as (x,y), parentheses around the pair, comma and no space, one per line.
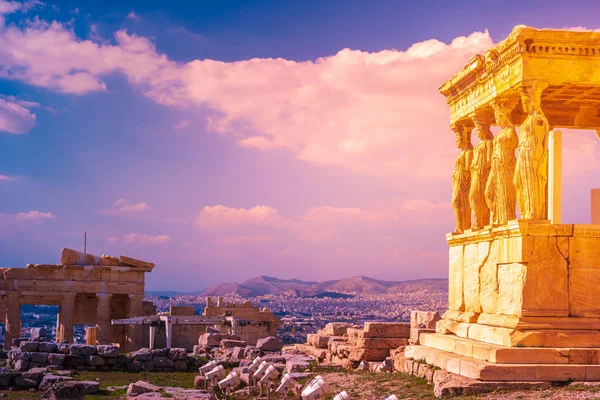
(480,168)
(531,175)
(461,178)
(500,195)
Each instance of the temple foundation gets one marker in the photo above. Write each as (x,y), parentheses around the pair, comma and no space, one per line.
(522,305)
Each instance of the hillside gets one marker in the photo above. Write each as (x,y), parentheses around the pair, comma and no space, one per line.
(263,285)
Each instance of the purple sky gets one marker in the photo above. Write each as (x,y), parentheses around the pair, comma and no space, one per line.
(226,140)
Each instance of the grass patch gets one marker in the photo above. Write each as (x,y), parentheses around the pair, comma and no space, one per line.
(106,379)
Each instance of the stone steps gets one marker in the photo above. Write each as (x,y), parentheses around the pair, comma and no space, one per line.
(509,355)
(487,371)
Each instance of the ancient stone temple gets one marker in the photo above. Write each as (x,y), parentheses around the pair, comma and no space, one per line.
(88,289)
(524,287)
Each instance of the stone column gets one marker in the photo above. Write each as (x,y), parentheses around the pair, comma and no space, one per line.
(103,318)
(134,331)
(13,319)
(555,176)
(65,318)
(596,206)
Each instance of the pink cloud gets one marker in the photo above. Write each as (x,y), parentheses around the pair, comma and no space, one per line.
(345,238)
(146,240)
(219,216)
(6,178)
(29,216)
(242,240)
(125,207)
(9,7)
(182,124)
(353,109)
(133,16)
(22,221)
(14,117)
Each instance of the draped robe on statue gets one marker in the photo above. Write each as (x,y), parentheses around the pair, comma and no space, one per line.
(500,192)
(531,176)
(480,171)
(461,179)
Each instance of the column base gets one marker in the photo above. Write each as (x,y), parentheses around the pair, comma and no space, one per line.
(487,362)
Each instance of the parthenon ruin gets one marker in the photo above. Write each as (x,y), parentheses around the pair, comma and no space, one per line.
(88,289)
(523,293)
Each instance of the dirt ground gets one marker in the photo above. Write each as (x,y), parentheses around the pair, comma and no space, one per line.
(367,386)
(359,385)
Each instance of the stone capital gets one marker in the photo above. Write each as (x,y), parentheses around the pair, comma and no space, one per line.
(136,296)
(531,90)
(505,104)
(483,117)
(104,295)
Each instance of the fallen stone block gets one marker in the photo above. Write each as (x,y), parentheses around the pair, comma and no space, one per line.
(210,340)
(358,354)
(22,365)
(364,366)
(238,352)
(108,350)
(74,360)
(29,346)
(23,382)
(47,347)
(336,328)
(163,362)
(82,349)
(160,352)
(318,341)
(387,330)
(336,339)
(50,379)
(386,365)
(317,354)
(38,357)
(296,366)
(270,343)
(66,390)
(90,387)
(424,319)
(140,387)
(38,333)
(63,347)
(142,355)
(177,354)
(230,344)
(378,343)
(94,361)
(35,374)
(17,354)
(56,358)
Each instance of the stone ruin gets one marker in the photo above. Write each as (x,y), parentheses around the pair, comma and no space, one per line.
(88,289)
(100,291)
(347,345)
(253,323)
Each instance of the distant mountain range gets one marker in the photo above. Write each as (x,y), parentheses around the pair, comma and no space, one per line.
(263,285)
